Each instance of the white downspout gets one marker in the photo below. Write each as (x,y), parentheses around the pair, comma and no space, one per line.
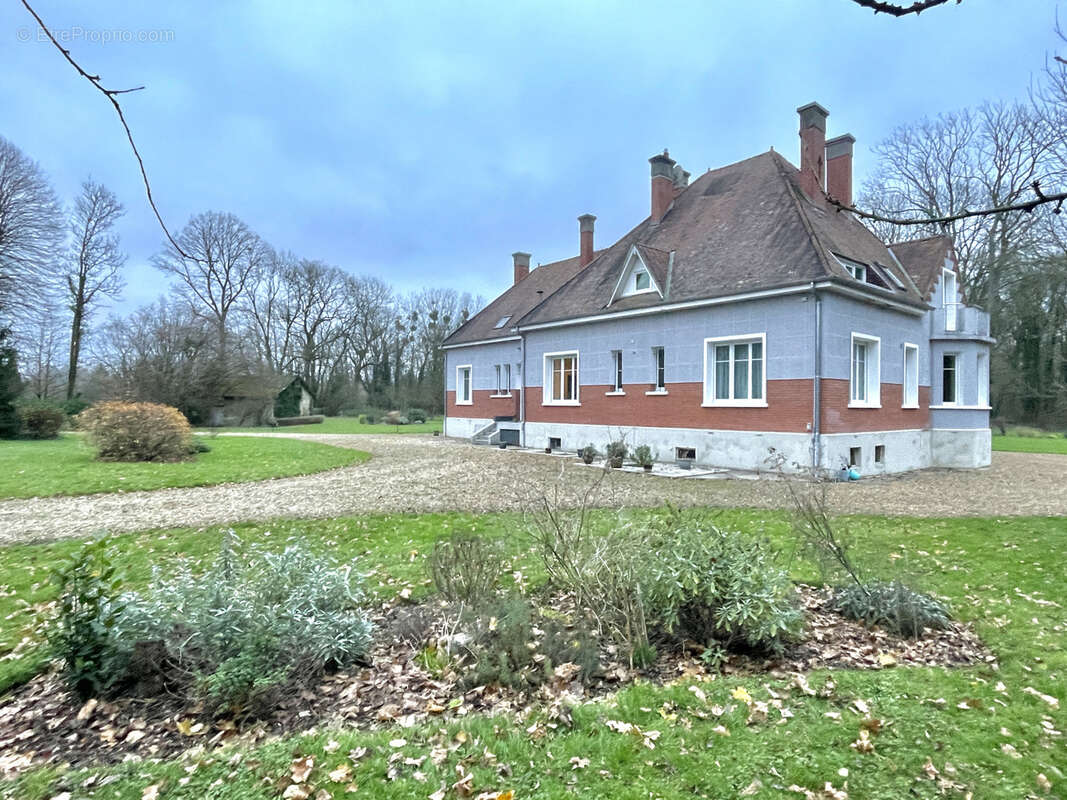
(817,384)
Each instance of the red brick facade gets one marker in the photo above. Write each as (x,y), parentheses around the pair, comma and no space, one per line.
(486,405)
(789,409)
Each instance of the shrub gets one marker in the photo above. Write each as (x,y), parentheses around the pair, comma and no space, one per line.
(137,431)
(716,586)
(417,415)
(370,418)
(75,406)
(255,622)
(616,452)
(644,456)
(41,419)
(588,454)
(513,644)
(85,634)
(395,418)
(893,606)
(465,567)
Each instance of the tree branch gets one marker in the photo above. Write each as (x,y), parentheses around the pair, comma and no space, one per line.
(896,10)
(1028,206)
(111,95)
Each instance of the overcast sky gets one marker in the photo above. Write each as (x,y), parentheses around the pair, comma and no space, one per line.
(425,142)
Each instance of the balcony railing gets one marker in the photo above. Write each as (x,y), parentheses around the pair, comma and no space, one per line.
(959,320)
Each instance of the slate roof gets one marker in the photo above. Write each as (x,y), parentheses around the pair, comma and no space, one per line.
(923,259)
(516,302)
(740,228)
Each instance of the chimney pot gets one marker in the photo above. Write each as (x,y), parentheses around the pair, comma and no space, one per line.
(839,168)
(662,184)
(585,236)
(522,265)
(812,148)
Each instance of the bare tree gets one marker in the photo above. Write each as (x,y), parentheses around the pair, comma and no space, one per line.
(41,353)
(94,265)
(216,264)
(31,228)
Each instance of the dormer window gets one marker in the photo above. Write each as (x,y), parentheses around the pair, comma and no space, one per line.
(636,278)
(502,321)
(856,269)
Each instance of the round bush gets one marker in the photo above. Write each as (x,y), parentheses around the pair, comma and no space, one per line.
(417,415)
(41,419)
(137,432)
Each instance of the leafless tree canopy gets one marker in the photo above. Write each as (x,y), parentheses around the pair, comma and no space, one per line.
(901,9)
(94,264)
(1014,263)
(31,229)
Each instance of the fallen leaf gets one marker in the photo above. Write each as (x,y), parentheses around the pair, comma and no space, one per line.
(752,788)
(341,774)
(301,768)
(150,792)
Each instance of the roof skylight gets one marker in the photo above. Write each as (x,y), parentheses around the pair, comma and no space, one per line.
(500,323)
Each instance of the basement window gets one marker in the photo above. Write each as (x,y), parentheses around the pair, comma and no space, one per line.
(855,456)
(555,442)
(879,454)
(685,453)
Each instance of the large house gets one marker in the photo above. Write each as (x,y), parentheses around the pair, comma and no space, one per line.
(744,313)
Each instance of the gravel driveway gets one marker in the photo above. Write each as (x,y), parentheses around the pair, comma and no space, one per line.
(424,473)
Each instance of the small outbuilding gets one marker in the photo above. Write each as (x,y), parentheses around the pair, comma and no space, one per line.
(255,400)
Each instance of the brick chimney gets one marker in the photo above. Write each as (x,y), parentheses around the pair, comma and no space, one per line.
(812,148)
(522,265)
(839,168)
(585,234)
(662,185)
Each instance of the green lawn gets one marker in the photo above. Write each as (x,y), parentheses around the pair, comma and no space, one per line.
(1006,576)
(66,466)
(1030,444)
(344,425)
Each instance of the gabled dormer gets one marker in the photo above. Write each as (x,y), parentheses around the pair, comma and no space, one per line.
(645,270)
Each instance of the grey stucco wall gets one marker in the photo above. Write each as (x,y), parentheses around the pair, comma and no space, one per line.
(787,321)
(843,316)
(483,360)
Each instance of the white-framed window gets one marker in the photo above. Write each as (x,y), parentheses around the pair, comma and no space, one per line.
(659,369)
(642,281)
(856,269)
(734,370)
(982,376)
(910,398)
(464,390)
(950,379)
(865,374)
(616,364)
(948,298)
(561,379)
(503,380)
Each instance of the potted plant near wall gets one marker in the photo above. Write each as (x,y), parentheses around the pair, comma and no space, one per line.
(644,456)
(588,454)
(616,452)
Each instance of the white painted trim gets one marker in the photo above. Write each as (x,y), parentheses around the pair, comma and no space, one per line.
(954,407)
(614,394)
(874,399)
(957,373)
(470,399)
(657,393)
(498,396)
(546,385)
(626,272)
(904,386)
(480,342)
(717,301)
(708,395)
(846,434)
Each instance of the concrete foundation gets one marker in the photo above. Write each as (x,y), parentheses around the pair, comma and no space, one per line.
(877,453)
